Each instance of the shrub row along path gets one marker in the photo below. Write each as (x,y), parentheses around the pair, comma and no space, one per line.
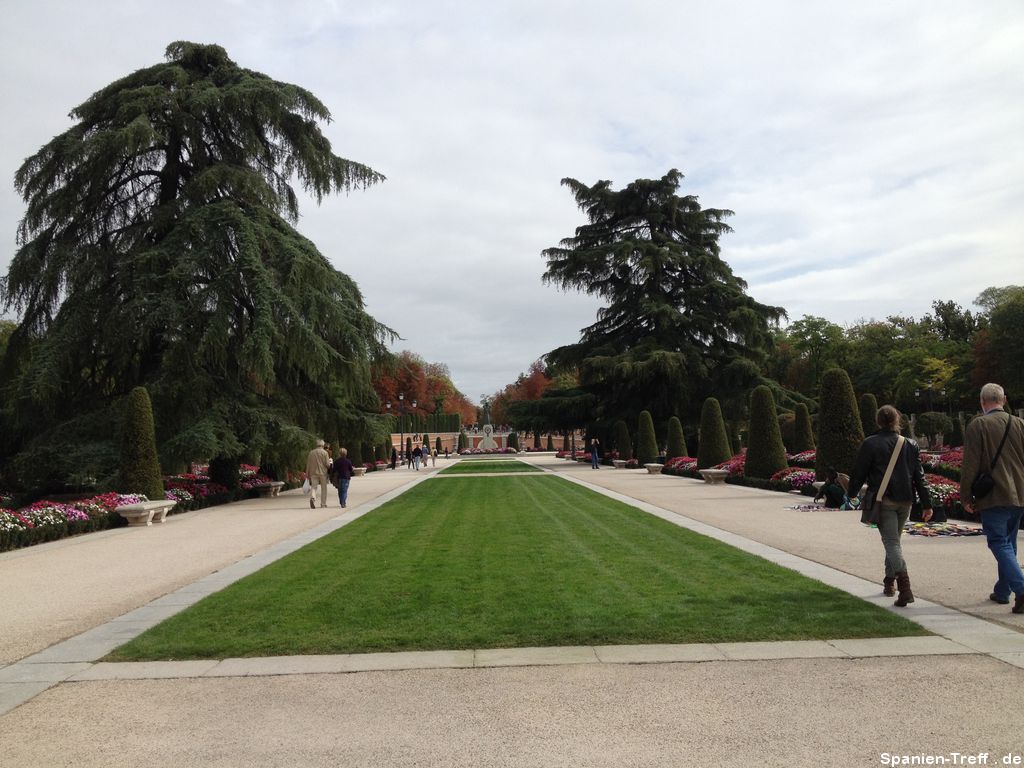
(743,705)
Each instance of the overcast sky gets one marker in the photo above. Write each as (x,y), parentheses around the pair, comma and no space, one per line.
(873,151)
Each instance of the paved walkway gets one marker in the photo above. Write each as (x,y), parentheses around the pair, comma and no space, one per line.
(722,704)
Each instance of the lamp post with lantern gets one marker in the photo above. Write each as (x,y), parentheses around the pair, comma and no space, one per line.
(401,421)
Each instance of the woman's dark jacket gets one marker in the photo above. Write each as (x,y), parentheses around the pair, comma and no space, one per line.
(872,460)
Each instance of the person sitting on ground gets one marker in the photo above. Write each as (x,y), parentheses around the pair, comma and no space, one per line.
(832,491)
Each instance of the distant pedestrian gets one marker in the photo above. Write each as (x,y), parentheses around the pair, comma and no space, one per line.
(446,451)
(394,457)
(433,458)
(416,456)
(994,444)
(343,475)
(888,459)
(317,465)
(595,452)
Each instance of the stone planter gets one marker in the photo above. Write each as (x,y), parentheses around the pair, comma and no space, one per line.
(714,476)
(619,463)
(653,469)
(358,471)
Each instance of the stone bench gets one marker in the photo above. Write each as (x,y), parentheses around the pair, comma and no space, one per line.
(714,476)
(619,463)
(145,512)
(269,490)
(654,469)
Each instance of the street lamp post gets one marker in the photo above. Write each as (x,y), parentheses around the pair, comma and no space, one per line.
(401,421)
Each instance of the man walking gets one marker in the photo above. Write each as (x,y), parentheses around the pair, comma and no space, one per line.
(343,474)
(317,464)
(997,436)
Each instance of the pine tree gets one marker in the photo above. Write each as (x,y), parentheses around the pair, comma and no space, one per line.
(840,432)
(622,442)
(676,442)
(158,248)
(678,323)
(140,468)
(804,434)
(765,454)
(714,442)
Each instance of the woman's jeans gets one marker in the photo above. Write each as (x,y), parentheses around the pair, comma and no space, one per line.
(593,459)
(1001,525)
(343,490)
(891,519)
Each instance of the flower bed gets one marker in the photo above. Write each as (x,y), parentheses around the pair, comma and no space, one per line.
(946,463)
(797,478)
(485,452)
(50,520)
(804,459)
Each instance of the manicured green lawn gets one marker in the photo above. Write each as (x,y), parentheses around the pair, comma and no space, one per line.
(477,466)
(508,562)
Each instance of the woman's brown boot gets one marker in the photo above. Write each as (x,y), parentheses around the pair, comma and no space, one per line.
(905,596)
(889,586)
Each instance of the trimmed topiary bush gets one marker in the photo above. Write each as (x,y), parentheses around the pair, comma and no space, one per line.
(932,424)
(765,455)
(223,471)
(140,467)
(676,442)
(622,442)
(868,409)
(565,443)
(840,432)
(355,453)
(425,441)
(803,434)
(714,441)
(551,443)
(787,428)
(646,442)
(513,441)
(956,437)
(408,449)
(437,445)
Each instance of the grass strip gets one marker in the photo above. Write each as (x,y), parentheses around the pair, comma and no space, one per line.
(472,466)
(508,562)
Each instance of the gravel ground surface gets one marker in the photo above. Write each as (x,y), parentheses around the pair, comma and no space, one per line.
(778,713)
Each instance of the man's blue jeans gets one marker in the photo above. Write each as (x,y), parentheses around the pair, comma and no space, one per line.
(593,459)
(1001,525)
(343,490)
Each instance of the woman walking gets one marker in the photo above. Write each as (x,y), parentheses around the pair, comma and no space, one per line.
(891,466)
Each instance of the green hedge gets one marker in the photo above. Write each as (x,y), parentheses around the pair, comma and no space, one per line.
(765,455)
(713,447)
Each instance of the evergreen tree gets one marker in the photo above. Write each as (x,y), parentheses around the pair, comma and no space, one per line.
(551,443)
(565,443)
(622,442)
(714,442)
(158,249)
(355,453)
(408,449)
(804,434)
(426,440)
(140,468)
(868,409)
(678,322)
(676,445)
(839,426)
(646,442)
(437,444)
(513,441)
(765,454)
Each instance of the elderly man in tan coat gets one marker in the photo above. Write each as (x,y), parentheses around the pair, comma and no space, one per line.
(999,436)
(317,464)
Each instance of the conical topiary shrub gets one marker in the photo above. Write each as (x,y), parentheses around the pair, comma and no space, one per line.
(426,441)
(956,438)
(355,454)
(565,442)
(803,439)
(408,449)
(787,428)
(840,432)
(868,409)
(140,467)
(551,443)
(765,454)
(462,442)
(646,442)
(623,444)
(676,440)
(513,441)
(437,445)
(714,441)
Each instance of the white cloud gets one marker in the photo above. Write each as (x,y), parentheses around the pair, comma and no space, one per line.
(861,145)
